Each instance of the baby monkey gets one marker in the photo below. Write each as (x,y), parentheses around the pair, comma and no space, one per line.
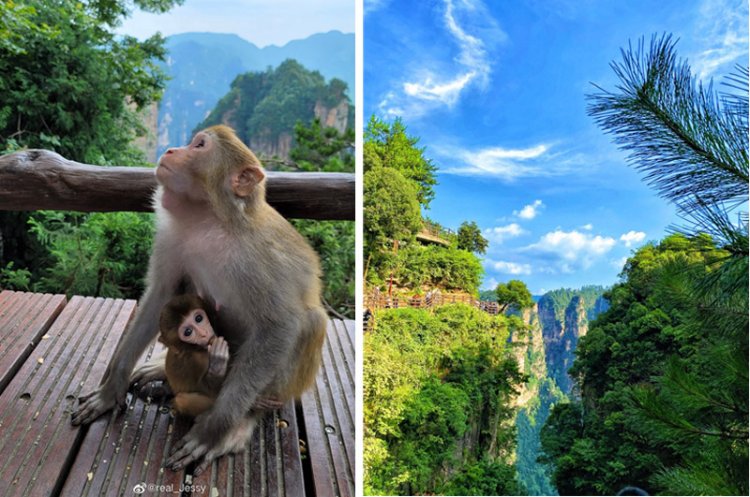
(197,358)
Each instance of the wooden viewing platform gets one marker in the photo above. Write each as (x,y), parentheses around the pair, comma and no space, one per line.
(52,350)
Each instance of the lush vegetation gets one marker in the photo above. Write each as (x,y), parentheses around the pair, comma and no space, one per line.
(437,398)
(663,384)
(535,476)
(664,372)
(387,145)
(70,85)
(469,237)
(324,149)
(261,106)
(398,182)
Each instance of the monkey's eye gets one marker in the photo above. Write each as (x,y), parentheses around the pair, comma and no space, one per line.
(187,332)
(198,318)
(201,143)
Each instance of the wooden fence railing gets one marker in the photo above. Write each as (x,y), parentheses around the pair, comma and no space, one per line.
(41,179)
(377,300)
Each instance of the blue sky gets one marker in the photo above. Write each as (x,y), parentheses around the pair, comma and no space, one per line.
(262,22)
(495,91)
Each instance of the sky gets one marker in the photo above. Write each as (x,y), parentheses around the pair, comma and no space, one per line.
(261,22)
(496,93)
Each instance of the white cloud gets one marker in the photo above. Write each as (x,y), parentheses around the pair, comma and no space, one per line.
(530,211)
(499,234)
(489,284)
(588,227)
(722,26)
(509,164)
(632,237)
(503,163)
(568,251)
(373,5)
(510,267)
(428,88)
(618,263)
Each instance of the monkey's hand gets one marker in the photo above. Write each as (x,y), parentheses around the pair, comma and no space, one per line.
(218,358)
(95,404)
(153,370)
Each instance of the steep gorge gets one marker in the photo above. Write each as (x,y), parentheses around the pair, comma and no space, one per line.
(545,354)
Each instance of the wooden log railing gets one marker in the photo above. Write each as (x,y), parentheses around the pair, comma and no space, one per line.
(41,179)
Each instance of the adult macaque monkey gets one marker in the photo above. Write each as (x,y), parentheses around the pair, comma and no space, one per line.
(197,358)
(216,231)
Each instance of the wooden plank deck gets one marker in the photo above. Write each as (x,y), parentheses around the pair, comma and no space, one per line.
(52,350)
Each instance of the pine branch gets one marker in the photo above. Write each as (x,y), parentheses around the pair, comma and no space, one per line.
(674,130)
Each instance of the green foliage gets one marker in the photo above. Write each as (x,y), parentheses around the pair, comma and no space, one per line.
(71,85)
(534,474)
(484,477)
(17,279)
(321,148)
(391,213)
(388,145)
(261,106)
(470,238)
(97,254)
(438,267)
(513,296)
(562,297)
(18,23)
(334,243)
(67,84)
(690,142)
(664,383)
(433,380)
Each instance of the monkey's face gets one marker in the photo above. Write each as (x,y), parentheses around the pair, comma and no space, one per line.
(180,170)
(196,329)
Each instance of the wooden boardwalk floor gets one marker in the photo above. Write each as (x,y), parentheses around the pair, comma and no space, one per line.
(52,350)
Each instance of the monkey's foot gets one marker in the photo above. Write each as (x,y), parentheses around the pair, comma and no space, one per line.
(92,406)
(188,450)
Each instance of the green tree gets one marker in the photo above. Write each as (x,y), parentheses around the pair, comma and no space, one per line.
(71,85)
(391,213)
(469,237)
(513,295)
(388,145)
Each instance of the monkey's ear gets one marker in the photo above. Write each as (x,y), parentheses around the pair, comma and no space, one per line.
(244,180)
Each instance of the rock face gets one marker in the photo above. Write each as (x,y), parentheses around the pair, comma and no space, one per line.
(545,354)
(561,338)
(266,145)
